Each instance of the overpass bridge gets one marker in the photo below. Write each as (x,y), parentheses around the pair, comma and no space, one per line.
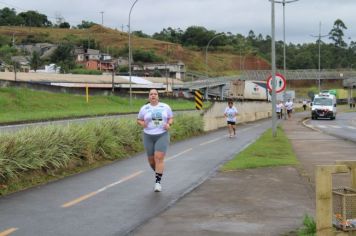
(217,86)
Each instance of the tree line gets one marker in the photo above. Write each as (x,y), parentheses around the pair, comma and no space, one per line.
(334,54)
(9,17)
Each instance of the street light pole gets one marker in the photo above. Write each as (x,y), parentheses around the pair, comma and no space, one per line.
(206,61)
(130,54)
(206,53)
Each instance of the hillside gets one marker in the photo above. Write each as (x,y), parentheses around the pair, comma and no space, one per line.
(220,63)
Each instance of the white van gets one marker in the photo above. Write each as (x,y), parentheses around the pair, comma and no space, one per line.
(324,106)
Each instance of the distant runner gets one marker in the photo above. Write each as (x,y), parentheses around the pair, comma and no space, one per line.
(230,114)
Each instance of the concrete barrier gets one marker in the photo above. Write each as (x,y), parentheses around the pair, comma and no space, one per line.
(248,111)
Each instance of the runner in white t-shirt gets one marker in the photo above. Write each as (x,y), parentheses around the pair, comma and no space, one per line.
(156,118)
(230,113)
(289,107)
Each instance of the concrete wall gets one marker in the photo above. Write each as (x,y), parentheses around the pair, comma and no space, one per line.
(248,111)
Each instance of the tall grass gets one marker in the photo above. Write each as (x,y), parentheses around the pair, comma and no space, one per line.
(51,150)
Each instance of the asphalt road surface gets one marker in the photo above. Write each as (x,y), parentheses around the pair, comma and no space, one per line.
(117,198)
(344,126)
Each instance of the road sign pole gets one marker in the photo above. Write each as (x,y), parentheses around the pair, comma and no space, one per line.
(274,115)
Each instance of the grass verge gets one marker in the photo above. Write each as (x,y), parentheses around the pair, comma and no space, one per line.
(265,152)
(20,105)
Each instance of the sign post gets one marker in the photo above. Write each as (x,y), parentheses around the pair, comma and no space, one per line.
(280,83)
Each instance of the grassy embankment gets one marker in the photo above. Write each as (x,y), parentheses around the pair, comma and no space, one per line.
(220,62)
(37,155)
(19,105)
(265,152)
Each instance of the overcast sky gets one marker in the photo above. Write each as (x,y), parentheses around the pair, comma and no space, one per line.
(235,16)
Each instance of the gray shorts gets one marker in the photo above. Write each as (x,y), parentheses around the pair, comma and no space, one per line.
(156,142)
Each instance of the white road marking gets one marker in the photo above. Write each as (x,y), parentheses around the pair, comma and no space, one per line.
(211,141)
(89,195)
(335,126)
(178,154)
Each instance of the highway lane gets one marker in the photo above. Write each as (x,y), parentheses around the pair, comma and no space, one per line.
(344,126)
(115,199)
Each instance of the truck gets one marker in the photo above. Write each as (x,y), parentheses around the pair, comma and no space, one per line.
(323,106)
(249,90)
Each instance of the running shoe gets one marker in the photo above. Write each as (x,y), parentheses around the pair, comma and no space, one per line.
(158,187)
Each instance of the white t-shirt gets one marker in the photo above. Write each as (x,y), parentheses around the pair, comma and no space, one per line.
(289,105)
(279,107)
(156,117)
(231,113)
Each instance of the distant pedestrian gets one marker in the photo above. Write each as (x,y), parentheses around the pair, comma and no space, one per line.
(230,113)
(304,104)
(279,110)
(289,108)
(156,119)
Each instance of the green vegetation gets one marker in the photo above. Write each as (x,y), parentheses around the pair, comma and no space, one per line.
(36,155)
(86,72)
(18,105)
(266,151)
(309,227)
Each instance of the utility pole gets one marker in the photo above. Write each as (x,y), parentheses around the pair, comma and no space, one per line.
(319,61)
(102,18)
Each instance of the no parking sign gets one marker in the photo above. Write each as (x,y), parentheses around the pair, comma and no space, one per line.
(280,83)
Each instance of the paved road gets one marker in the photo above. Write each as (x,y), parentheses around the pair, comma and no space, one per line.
(344,126)
(115,199)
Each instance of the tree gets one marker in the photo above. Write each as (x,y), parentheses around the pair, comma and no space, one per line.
(35,19)
(169,35)
(64,25)
(197,36)
(85,24)
(64,57)
(35,61)
(8,17)
(140,34)
(337,34)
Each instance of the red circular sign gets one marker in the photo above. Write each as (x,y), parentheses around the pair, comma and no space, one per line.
(280,83)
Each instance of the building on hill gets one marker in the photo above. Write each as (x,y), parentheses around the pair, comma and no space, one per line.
(172,70)
(92,59)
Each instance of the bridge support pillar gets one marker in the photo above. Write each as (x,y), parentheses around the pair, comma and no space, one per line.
(206,95)
(221,91)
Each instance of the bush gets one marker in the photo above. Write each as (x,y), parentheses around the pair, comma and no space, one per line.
(86,72)
(51,150)
(309,227)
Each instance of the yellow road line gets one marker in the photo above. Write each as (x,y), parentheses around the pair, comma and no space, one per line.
(178,154)
(89,195)
(8,231)
(210,141)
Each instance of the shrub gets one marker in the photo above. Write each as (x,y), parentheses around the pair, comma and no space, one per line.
(86,72)
(52,149)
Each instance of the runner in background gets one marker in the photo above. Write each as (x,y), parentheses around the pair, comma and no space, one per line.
(230,114)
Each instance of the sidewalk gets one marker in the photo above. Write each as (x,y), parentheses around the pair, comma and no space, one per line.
(264,201)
